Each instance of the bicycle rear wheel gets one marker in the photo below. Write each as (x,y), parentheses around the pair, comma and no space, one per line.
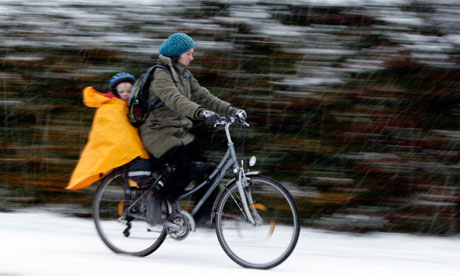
(273,239)
(122,233)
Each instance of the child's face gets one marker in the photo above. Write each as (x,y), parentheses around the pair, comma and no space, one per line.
(124,90)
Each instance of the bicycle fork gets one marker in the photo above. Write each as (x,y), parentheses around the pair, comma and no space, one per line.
(247,201)
(248,207)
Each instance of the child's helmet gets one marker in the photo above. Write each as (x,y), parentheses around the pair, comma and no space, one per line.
(120,77)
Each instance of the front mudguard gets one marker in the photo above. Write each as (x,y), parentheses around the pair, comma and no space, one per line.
(222,191)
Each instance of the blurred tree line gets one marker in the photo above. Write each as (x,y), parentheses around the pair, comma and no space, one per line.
(354,108)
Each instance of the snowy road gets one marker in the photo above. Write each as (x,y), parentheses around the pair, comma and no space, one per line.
(40,243)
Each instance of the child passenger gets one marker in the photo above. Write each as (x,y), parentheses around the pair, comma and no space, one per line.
(112,141)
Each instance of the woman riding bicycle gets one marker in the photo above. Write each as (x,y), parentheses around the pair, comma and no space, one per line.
(165,133)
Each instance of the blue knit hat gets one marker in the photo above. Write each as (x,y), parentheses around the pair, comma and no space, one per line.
(176,45)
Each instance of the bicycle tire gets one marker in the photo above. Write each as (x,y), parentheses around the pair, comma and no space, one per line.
(117,236)
(279,233)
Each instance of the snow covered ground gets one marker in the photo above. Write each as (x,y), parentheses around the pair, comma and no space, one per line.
(42,243)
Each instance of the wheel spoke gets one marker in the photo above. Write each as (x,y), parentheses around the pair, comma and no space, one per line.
(232,216)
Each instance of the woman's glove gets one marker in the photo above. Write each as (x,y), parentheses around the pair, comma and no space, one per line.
(239,114)
(209,117)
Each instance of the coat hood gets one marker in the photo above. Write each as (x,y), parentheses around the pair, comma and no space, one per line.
(93,98)
(168,62)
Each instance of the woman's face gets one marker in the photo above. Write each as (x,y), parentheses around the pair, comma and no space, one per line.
(124,90)
(186,57)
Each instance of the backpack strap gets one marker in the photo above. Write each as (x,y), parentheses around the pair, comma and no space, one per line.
(188,76)
(166,67)
(157,102)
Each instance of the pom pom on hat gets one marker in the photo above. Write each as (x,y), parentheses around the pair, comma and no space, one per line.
(176,45)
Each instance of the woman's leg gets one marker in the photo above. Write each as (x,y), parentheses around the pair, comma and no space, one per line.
(180,159)
(186,169)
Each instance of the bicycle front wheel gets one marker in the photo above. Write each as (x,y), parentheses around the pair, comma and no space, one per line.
(275,235)
(125,232)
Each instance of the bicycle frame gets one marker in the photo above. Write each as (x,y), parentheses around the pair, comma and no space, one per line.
(229,160)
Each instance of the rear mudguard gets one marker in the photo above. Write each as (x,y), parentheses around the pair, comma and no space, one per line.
(219,196)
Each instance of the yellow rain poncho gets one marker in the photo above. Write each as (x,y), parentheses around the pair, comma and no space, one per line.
(112,142)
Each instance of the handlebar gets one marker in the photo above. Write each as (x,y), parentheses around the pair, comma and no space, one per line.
(227,122)
(230,121)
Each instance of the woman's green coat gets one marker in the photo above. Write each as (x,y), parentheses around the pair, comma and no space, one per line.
(168,126)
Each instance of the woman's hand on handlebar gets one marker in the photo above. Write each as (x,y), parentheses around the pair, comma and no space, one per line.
(239,115)
(236,116)
(209,117)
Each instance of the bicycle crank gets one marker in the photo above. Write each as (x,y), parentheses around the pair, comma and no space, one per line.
(178,226)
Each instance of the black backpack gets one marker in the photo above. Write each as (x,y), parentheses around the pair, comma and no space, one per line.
(139,105)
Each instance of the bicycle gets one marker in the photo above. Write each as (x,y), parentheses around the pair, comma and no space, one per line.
(255,217)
